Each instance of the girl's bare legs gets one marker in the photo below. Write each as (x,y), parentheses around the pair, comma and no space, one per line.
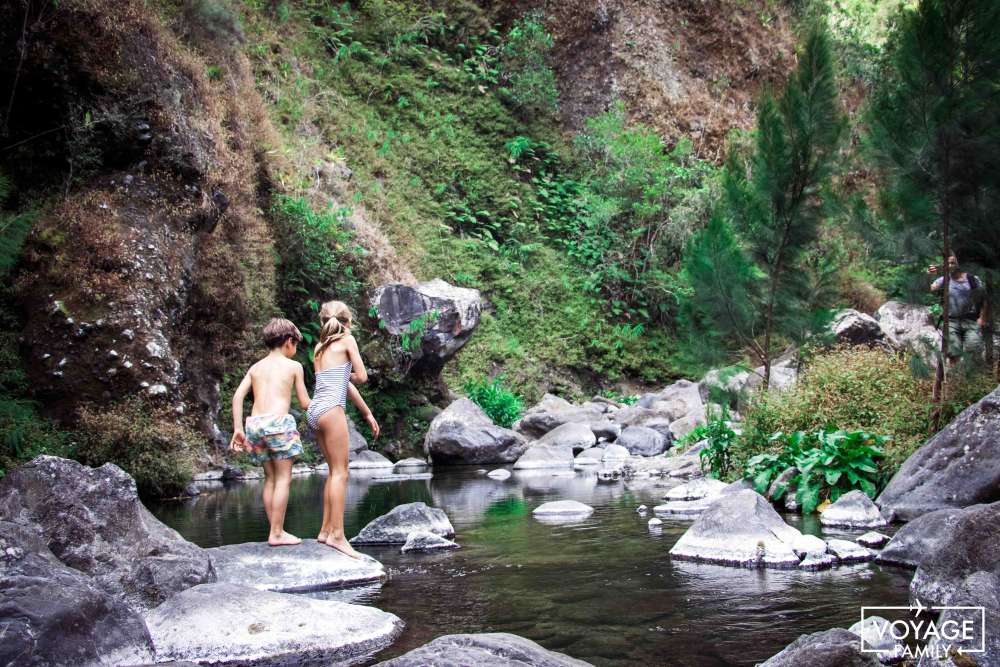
(334,427)
(324,529)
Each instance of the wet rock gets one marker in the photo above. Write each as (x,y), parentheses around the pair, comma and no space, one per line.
(410,464)
(855,328)
(875,636)
(831,648)
(682,509)
(642,441)
(606,429)
(493,649)
(395,526)
(958,467)
(575,436)
(563,508)
(589,457)
(401,476)
(226,624)
(873,539)
(545,456)
(641,509)
(848,552)
(369,460)
(463,433)
(915,541)
(654,524)
(697,490)
(615,452)
(818,562)
(809,545)
(309,566)
(51,614)
(854,510)
(739,529)
(552,412)
(499,474)
(424,540)
(93,522)
(450,314)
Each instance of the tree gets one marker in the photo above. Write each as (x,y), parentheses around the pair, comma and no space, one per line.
(774,202)
(934,131)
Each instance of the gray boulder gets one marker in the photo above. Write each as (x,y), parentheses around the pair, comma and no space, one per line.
(782,484)
(51,614)
(409,465)
(739,529)
(854,510)
(614,453)
(848,552)
(699,489)
(92,521)
(651,418)
(918,539)
(369,460)
(492,649)
(560,508)
(575,436)
(395,526)
(681,427)
(642,441)
(463,433)
(355,441)
(606,429)
(855,328)
(589,457)
(310,566)
(873,539)
(552,412)
(958,467)
(909,326)
(500,474)
(425,540)
(545,456)
(876,636)
(449,314)
(831,648)
(226,624)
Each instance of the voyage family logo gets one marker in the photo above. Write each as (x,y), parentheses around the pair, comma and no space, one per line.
(926,631)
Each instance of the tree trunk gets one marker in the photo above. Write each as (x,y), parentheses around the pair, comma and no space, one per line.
(941,376)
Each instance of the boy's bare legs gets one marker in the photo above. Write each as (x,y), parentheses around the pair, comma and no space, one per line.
(268,488)
(279,503)
(334,427)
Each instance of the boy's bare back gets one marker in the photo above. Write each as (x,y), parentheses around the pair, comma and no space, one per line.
(273,378)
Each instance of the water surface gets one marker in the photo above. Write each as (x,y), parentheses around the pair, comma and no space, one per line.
(603,589)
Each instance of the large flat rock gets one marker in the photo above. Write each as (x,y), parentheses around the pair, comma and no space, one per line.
(227,624)
(309,566)
(488,649)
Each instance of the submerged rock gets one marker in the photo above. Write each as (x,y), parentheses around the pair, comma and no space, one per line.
(493,649)
(499,474)
(854,510)
(463,433)
(545,456)
(561,508)
(226,624)
(925,535)
(395,526)
(831,648)
(308,566)
(92,521)
(424,540)
(958,467)
(369,460)
(739,529)
(51,614)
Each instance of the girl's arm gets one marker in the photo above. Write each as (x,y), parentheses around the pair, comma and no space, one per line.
(300,388)
(355,396)
(239,439)
(358,373)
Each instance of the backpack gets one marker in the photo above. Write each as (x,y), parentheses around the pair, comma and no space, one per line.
(974,286)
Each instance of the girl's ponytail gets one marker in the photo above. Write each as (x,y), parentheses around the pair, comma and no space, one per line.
(335,317)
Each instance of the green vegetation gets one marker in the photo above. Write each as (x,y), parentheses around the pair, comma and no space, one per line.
(501,405)
(720,439)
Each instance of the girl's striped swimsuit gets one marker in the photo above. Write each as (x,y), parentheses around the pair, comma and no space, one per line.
(331,391)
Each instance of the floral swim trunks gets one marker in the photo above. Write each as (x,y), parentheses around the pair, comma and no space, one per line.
(273,438)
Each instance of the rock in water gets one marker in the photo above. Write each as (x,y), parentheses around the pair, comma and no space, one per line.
(545,456)
(831,648)
(873,539)
(739,529)
(500,474)
(697,490)
(848,552)
(613,453)
(575,436)
(492,649)
(93,522)
(369,460)
(917,540)
(449,313)
(309,566)
(226,624)
(408,465)
(958,467)
(563,508)
(875,636)
(396,526)
(642,441)
(424,540)
(51,614)
(463,433)
(855,510)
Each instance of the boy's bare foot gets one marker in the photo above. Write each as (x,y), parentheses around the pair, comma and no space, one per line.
(285,539)
(343,546)
(322,537)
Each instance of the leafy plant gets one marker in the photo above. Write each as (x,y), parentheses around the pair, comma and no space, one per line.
(502,405)
(413,335)
(716,456)
(526,74)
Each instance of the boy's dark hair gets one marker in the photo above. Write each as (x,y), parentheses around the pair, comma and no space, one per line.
(278,330)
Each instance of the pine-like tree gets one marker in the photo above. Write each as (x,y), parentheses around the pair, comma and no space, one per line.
(774,202)
(934,131)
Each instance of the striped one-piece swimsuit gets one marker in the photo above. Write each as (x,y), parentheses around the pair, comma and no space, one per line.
(331,391)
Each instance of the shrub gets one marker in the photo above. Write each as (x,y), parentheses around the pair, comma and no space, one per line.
(156,448)
(502,405)
(525,69)
(830,463)
(716,456)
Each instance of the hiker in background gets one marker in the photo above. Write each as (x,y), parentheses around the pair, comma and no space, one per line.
(966,310)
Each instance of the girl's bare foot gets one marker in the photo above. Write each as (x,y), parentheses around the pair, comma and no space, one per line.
(343,546)
(322,537)
(284,539)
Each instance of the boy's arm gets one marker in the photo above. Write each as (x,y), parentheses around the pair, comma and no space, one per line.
(239,440)
(300,386)
(358,372)
(359,403)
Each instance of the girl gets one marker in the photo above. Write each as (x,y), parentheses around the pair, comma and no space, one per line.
(337,362)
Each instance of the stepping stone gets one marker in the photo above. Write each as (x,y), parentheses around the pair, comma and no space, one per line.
(402,476)
(499,474)
(853,510)
(560,511)
(395,526)
(696,490)
(848,552)
(411,462)
(424,540)
(227,624)
(682,508)
(873,539)
(304,567)
(368,459)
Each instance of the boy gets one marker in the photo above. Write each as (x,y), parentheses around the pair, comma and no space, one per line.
(271,434)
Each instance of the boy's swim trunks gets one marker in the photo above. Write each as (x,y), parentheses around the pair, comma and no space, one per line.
(273,438)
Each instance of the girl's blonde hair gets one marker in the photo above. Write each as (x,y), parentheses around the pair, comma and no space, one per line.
(335,319)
